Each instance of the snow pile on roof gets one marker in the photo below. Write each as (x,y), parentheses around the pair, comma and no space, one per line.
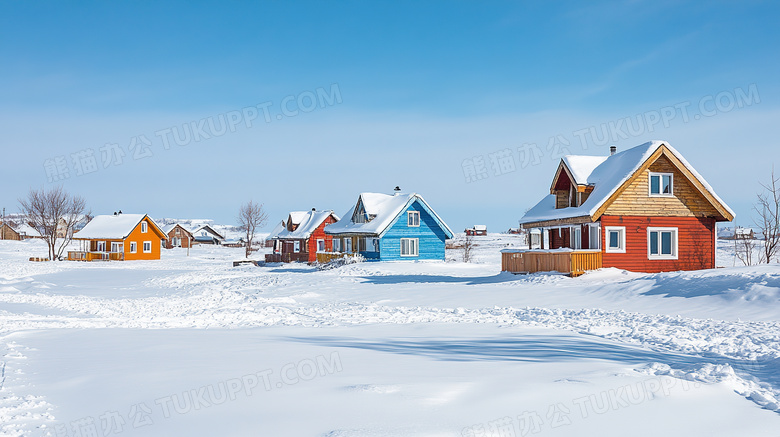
(198,232)
(296,217)
(606,177)
(480,227)
(308,221)
(384,208)
(110,226)
(581,166)
(275,231)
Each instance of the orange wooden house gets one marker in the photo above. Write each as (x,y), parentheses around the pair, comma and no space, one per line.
(645,210)
(119,237)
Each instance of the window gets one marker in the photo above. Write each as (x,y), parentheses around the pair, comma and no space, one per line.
(576,238)
(320,245)
(616,239)
(147,247)
(413,219)
(101,246)
(296,246)
(144,227)
(133,247)
(662,243)
(409,246)
(337,244)
(117,247)
(348,245)
(372,244)
(593,237)
(661,184)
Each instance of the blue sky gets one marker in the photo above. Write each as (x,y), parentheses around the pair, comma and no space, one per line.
(418,89)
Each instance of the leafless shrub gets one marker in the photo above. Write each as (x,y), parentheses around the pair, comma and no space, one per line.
(251,217)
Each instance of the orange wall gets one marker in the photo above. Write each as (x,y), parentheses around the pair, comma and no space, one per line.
(139,238)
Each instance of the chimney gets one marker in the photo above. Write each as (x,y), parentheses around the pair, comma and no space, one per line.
(612,150)
(396,190)
(314,209)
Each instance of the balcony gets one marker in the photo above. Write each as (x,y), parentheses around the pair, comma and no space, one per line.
(568,261)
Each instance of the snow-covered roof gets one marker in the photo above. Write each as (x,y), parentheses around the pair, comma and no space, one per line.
(309,222)
(480,227)
(169,227)
(606,177)
(384,208)
(112,227)
(25,229)
(275,231)
(197,230)
(298,216)
(582,166)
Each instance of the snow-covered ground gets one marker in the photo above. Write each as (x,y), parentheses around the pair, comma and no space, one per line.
(190,345)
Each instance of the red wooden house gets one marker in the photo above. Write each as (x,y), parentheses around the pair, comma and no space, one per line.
(645,209)
(302,237)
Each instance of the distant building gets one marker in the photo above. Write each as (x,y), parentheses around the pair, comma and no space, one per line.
(205,234)
(302,237)
(178,236)
(390,227)
(119,237)
(477,230)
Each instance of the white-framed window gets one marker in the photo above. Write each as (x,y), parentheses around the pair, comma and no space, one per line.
(337,244)
(594,237)
(320,245)
(147,247)
(144,227)
(409,246)
(101,246)
(661,184)
(662,243)
(117,247)
(576,237)
(133,247)
(615,237)
(348,245)
(296,246)
(413,219)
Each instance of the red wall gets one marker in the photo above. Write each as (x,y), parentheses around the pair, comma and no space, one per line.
(319,234)
(695,243)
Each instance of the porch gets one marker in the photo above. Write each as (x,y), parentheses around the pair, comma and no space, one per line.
(78,255)
(569,261)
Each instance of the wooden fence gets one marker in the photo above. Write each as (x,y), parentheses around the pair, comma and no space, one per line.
(570,262)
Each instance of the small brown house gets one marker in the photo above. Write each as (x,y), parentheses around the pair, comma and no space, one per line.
(178,236)
(302,237)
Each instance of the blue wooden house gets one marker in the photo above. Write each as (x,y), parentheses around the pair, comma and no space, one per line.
(390,227)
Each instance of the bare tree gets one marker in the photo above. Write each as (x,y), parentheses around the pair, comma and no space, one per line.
(251,217)
(768,221)
(468,246)
(744,246)
(54,214)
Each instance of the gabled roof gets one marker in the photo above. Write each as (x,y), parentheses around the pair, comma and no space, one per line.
(114,227)
(208,229)
(612,176)
(275,231)
(384,209)
(308,222)
(169,227)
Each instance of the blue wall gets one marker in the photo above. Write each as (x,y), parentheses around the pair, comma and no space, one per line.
(431,235)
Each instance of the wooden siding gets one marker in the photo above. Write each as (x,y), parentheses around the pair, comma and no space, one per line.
(430,234)
(138,237)
(695,243)
(687,200)
(8,233)
(573,263)
(319,234)
(182,234)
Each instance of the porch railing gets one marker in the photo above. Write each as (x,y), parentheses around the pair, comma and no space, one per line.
(79,255)
(571,262)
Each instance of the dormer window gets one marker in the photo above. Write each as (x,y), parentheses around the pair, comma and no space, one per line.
(413,219)
(661,184)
